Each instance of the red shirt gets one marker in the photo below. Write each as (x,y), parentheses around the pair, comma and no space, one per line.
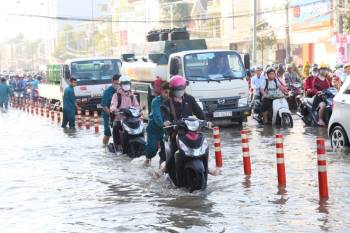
(308,83)
(318,85)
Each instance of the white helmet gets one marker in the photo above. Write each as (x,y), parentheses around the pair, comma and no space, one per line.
(125,83)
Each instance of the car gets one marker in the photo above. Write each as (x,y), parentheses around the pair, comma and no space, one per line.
(339,124)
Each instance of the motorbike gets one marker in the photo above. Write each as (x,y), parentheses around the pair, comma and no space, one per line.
(280,114)
(187,153)
(294,96)
(132,135)
(310,115)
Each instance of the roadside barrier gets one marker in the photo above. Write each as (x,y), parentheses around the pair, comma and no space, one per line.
(217,145)
(37,108)
(87,119)
(52,115)
(322,169)
(58,117)
(96,122)
(42,110)
(281,171)
(28,106)
(32,107)
(245,152)
(47,110)
(80,122)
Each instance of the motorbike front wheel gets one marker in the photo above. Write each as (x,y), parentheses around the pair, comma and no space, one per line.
(195,175)
(286,121)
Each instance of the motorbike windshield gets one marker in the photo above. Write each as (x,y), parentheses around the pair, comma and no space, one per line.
(214,66)
(95,70)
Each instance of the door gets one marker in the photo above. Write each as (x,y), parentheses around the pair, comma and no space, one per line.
(343,102)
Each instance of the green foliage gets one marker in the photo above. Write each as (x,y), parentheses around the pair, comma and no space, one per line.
(181,11)
(265,37)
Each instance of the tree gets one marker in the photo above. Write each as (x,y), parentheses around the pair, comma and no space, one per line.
(265,37)
(180,11)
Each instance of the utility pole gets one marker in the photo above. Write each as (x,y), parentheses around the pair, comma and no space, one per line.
(340,19)
(288,57)
(93,27)
(254,32)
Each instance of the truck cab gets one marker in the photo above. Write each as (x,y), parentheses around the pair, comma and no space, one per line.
(93,77)
(216,79)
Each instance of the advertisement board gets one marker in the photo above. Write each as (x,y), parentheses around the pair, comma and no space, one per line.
(310,15)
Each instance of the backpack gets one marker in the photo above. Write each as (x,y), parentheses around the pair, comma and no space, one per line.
(120,99)
(267,84)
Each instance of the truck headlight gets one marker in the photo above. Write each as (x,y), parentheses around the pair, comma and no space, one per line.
(242,102)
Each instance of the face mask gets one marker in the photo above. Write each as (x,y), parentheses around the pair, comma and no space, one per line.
(314,73)
(179,93)
(126,87)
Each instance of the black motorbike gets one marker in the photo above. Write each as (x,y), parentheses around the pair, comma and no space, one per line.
(132,133)
(310,115)
(187,154)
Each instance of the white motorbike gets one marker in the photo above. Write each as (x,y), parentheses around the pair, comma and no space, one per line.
(280,114)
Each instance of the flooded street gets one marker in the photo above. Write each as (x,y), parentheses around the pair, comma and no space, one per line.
(57,181)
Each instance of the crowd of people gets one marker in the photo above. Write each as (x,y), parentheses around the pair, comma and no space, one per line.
(265,83)
(20,85)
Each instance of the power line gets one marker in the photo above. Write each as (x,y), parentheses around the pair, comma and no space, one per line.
(104,20)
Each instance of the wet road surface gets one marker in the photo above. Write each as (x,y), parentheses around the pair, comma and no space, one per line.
(63,181)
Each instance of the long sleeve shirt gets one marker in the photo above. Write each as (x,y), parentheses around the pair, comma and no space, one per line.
(155,118)
(128,99)
(69,100)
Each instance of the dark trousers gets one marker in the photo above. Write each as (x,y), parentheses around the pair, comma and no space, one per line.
(68,118)
(117,127)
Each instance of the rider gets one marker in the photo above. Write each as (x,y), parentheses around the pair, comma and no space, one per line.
(123,98)
(319,84)
(256,82)
(291,77)
(269,90)
(346,72)
(155,125)
(180,105)
(309,80)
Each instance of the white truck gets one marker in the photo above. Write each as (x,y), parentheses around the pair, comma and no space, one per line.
(216,77)
(93,77)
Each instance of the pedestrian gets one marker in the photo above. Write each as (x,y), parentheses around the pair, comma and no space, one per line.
(4,95)
(155,131)
(346,72)
(256,81)
(69,105)
(106,104)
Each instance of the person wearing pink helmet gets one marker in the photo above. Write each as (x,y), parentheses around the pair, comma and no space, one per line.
(180,105)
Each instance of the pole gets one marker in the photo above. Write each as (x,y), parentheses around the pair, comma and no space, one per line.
(254,32)
(171,16)
(288,57)
(322,169)
(93,26)
(217,146)
(281,171)
(340,19)
(246,154)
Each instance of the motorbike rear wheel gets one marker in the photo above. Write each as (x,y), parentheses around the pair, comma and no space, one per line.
(286,121)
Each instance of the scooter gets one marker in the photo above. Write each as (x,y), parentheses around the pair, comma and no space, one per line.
(310,115)
(280,115)
(187,153)
(294,96)
(132,135)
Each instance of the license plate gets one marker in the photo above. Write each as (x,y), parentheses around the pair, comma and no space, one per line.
(99,106)
(222,114)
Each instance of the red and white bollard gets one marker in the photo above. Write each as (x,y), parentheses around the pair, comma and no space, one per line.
(96,122)
(80,122)
(58,117)
(48,111)
(281,171)
(36,108)
(42,110)
(52,116)
(32,107)
(87,119)
(322,169)
(217,145)
(246,154)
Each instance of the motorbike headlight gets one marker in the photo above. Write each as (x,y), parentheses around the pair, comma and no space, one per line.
(243,102)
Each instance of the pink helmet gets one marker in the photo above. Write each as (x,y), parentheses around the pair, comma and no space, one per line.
(177,82)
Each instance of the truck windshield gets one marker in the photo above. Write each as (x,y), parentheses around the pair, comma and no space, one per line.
(95,69)
(213,66)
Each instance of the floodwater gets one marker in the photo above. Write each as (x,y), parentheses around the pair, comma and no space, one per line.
(61,181)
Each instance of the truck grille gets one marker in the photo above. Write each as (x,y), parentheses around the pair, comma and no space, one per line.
(212,105)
